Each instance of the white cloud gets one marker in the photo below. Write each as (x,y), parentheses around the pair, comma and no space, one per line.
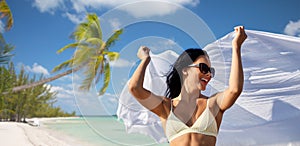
(65,97)
(56,89)
(135,7)
(110,103)
(115,23)
(167,44)
(74,17)
(63,91)
(64,94)
(48,5)
(121,63)
(293,28)
(146,9)
(36,68)
(80,5)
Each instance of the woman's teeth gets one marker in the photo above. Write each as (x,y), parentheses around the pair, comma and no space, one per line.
(203,79)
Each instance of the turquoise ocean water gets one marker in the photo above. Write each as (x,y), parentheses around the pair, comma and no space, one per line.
(100,131)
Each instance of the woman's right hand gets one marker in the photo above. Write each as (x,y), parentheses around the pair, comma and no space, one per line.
(143,52)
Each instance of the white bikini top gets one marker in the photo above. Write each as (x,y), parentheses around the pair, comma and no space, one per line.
(205,124)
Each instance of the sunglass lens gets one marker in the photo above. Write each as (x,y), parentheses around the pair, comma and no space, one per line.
(205,69)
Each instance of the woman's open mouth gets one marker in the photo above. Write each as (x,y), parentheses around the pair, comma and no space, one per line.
(204,81)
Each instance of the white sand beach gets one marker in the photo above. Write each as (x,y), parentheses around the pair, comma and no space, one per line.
(16,134)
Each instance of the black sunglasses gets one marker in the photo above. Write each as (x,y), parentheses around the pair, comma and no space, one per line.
(204,68)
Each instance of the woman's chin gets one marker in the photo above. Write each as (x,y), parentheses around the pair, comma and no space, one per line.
(202,88)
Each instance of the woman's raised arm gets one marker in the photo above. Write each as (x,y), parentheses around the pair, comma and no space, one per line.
(236,79)
(144,96)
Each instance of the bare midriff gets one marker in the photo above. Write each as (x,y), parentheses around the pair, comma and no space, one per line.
(194,139)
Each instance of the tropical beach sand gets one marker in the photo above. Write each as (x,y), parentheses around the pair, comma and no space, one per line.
(16,134)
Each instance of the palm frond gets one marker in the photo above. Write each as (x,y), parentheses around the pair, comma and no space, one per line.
(98,62)
(93,31)
(94,26)
(112,56)
(113,38)
(2,40)
(8,48)
(6,12)
(4,59)
(5,50)
(94,41)
(106,79)
(73,45)
(90,74)
(63,65)
(84,54)
(100,67)
(81,32)
(88,29)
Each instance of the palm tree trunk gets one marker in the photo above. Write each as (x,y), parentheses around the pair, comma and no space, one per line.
(23,87)
(41,82)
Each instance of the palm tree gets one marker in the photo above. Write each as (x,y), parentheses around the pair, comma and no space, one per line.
(92,55)
(36,101)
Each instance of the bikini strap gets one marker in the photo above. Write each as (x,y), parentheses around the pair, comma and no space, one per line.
(207,103)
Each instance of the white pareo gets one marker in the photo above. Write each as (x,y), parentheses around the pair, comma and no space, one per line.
(266,113)
(136,118)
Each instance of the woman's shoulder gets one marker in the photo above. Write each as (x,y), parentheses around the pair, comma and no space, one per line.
(213,99)
(213,102)
(166,107)
(216,95)
(167,101)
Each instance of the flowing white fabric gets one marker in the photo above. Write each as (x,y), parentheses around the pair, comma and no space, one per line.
(136,118)
(266,113)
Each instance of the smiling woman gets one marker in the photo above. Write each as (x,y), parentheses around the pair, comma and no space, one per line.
(267,109)
(183,103)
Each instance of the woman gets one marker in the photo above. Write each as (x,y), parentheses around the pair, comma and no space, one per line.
(187,116)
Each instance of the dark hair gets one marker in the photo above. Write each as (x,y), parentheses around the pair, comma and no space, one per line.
(174,77)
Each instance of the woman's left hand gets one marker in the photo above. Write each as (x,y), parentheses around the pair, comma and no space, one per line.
(240,37)
(143,52)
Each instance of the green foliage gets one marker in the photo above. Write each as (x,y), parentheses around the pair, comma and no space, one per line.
(5,50)
(106,79)
(33,102)
(63,65)
(112,40)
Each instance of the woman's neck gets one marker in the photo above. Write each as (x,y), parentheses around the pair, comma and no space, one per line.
(186,105)
(188,95)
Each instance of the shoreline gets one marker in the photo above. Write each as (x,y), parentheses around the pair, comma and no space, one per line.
(65,132)
(17,133)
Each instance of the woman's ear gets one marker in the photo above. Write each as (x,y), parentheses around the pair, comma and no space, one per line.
(184,71)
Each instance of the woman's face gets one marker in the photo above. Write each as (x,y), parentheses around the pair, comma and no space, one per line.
(196,80)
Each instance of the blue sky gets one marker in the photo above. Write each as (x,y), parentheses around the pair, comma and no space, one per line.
(41,27)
